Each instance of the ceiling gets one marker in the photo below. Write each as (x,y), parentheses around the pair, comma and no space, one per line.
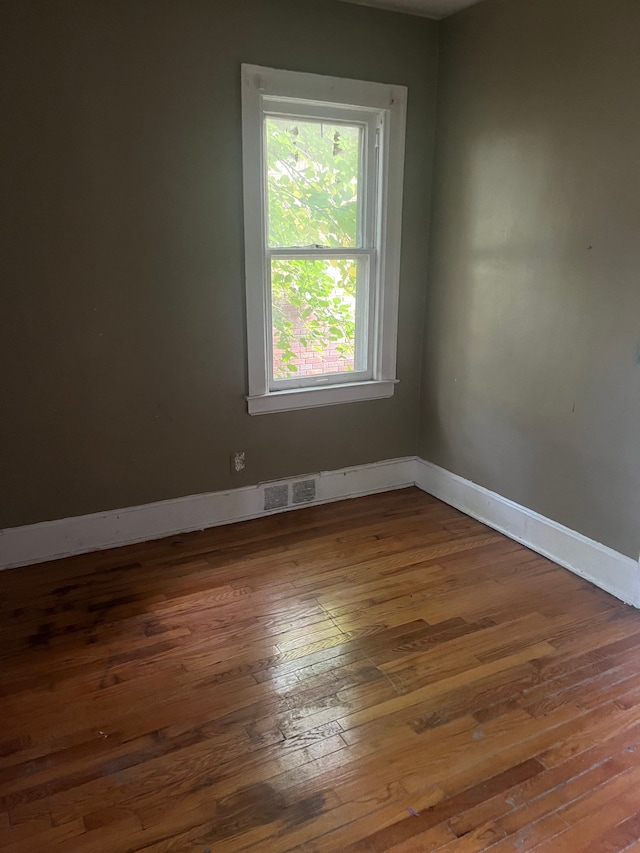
(426,8)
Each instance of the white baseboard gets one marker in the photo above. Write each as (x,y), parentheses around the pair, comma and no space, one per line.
(608,569)
(50,540)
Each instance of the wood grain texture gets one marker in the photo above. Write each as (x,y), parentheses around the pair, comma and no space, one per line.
(382,675)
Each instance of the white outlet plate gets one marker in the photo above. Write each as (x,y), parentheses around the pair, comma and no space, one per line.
(238,461)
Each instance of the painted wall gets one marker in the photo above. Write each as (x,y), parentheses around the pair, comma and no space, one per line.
(122,297)
(531,382)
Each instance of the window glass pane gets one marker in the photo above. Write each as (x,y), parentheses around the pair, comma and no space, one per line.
(312,182)
(314,316)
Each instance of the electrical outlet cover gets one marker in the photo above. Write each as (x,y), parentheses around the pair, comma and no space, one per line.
(238,461)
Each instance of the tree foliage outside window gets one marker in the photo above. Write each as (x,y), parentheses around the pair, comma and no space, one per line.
(312,190)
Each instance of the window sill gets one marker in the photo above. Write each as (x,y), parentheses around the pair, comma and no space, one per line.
(328,395)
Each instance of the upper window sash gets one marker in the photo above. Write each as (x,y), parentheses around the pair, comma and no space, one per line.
(370,123)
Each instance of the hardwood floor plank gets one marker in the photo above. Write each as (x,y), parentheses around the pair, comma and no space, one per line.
(382,675)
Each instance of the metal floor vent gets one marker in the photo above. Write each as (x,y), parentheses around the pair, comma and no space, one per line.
(304,491)
(276,496)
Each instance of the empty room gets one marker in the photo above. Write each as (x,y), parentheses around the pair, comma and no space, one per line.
(319,460)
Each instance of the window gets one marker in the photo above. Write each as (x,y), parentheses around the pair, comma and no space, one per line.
(323,167)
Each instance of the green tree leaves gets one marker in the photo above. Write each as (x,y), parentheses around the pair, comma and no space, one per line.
(307,311)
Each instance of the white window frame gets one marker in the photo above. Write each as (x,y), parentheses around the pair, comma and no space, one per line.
(381,110)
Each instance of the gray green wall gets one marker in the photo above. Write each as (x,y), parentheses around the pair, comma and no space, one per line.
(121,256)
(121,252)
(531,371)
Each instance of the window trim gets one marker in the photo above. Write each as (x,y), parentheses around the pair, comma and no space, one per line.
(261,88)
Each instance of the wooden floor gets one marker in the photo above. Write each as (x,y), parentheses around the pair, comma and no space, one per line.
(382,674)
